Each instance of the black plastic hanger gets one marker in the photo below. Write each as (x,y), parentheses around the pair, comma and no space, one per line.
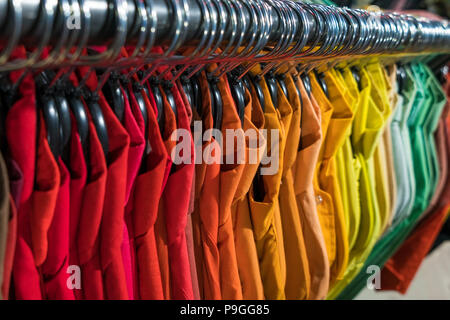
(98,120)
(357,77)
(258,90)
(187,89)
(62,105)
(114,95)
(79,112)
(213,102)
(237,91)
(273,88)
(8,94)
(5,88)
(65,122)
(320,78)
(196,93)
(51,117)
(401,77)
(124,81)
(137,91)
(157,95)
(296,79)
(216,101)
(282,82)
(246,82)
(439,66)
(306,83)
(243,88)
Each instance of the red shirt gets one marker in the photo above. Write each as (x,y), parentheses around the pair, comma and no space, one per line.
(55,266)
(176,198)
(21,136)
(78,178)
(112,224)
(135,153)
(90,218)
(144,208)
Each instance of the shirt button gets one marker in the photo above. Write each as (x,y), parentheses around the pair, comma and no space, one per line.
(319,199)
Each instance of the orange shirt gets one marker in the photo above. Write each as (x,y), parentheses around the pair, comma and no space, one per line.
(303,173)
(205,218)
(297,267)
(246,253)
(265,212)
(230,175)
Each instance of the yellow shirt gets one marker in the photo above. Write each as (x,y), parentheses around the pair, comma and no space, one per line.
(368,126)
(338,125)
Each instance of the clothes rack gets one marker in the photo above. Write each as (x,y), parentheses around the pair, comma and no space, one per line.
(311,24)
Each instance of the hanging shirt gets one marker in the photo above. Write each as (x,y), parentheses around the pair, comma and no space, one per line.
(393,239)
(402,153)
(188,230)
(55,267)
(90,218)
(348,167)
(297,268)
(431,125)
(338,131)
(21,134)
(419,150)
(179,187)
(367,129)
(381,185)
(189,227)
(111,228)
(325,207)
(78,178)
(230,174)
(327,175)
(135,154)
(45,196)
(387,139)
(205,218)
(303,173)
(144,207)
(265,214)
(170,126)
(246,252)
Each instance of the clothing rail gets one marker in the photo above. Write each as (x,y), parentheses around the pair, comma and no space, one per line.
(257,23)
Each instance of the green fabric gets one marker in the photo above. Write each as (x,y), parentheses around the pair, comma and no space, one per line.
(428,104)
(402,155)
